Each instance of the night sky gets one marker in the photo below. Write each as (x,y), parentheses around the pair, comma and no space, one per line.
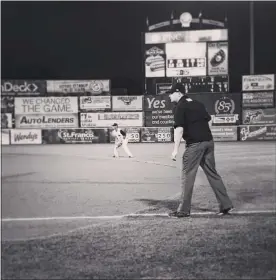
(91,40)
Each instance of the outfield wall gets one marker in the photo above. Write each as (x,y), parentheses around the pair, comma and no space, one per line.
(82,111)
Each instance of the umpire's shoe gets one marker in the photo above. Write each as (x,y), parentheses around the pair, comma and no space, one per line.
(176,214)
(225,211)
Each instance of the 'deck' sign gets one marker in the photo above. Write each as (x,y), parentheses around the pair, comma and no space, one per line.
(46,105)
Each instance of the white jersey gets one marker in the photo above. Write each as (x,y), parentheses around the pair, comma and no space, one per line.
(119,135)
(121,140)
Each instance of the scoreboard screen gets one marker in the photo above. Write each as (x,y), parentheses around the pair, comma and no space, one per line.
(185,59)
(200,56)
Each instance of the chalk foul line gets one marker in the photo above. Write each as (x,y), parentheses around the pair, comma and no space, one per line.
(154,163)
(198,214)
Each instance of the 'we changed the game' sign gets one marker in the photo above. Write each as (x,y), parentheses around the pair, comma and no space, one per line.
(45,105)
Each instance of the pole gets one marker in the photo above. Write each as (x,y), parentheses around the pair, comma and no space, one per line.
(252,57)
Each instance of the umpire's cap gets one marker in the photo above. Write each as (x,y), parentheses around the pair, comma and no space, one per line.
(178,87)
(115,124)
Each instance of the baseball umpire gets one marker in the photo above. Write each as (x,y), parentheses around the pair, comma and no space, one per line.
(192,123)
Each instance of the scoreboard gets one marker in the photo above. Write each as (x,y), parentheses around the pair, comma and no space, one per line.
(197,58)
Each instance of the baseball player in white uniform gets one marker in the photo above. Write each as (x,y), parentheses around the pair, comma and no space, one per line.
(120,140)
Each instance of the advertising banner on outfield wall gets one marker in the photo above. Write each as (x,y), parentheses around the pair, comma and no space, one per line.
(133,134)
(75,136)
(218,58)
(26,136)
(23,87)
(162,88)
(95,103)
(7,104)
(45,105)
(156,134)
(47,121)
(77,87)
(149,134)
(258,82)
(6,120)
(158,111)
(5,137)
(123,119)
(257,133)
(155,60)
(159,118)
(265,99)
(225,108)
(127,103)
(225,133)
(154,102)
(259,116)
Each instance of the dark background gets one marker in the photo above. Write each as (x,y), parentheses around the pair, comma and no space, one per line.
(91,40)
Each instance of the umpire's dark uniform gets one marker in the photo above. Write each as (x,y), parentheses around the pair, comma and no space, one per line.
(193,117)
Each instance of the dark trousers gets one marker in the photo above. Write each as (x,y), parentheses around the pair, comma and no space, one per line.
(201,154)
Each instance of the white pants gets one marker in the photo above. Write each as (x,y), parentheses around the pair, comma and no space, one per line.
(122,143)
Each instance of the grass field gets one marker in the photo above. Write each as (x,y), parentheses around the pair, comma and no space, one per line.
(66,214)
